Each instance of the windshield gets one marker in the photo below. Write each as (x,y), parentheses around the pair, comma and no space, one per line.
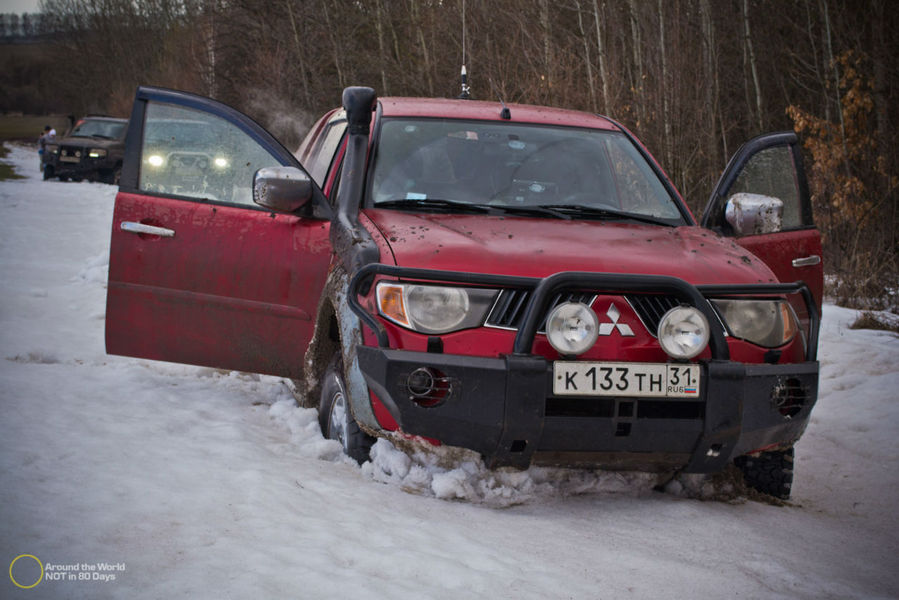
(515,165)
(112,130)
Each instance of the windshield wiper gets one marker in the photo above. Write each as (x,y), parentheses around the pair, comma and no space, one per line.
(456,206)
(432,204)
(530,210)
(605,213)
(101,136)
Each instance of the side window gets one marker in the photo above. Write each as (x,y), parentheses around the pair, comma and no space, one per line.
(322,154)
(191,153)
(771,172)
(639,189)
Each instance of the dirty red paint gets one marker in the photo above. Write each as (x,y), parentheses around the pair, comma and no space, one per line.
(232,289)
(541,247)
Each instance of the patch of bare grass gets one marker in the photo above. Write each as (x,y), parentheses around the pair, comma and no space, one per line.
(7,171)
(880,321)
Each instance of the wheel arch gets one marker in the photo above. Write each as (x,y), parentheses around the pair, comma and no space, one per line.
(325,343)
(337,328)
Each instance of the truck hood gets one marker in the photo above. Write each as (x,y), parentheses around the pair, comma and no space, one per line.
(87,142)
(532,247)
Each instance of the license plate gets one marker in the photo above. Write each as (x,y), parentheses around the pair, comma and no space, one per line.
(72,159)
(645,380)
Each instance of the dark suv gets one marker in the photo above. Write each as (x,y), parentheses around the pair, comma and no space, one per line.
(521,281)
(93,150)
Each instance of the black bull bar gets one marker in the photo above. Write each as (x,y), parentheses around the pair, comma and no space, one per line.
(544,289)
(505,420)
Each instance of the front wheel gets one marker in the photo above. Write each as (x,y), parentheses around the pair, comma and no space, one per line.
(770,472)
(336,418)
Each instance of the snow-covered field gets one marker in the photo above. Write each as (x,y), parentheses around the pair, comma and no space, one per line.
(158,480)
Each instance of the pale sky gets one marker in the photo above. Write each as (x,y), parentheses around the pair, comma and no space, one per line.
(19,6)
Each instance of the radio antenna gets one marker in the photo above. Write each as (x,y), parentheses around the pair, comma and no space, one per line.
(505,113)
(465,95)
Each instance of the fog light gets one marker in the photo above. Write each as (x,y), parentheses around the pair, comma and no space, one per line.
(420,382)
(428,387)
(683,332)
(572,328)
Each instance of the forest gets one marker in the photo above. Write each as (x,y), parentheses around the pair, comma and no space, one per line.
(692,78)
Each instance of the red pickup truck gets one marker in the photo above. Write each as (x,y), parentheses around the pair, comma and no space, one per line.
(520,281)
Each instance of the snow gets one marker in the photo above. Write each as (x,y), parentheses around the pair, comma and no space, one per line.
(201,483)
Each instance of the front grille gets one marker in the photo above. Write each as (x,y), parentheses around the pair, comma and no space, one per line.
(651,308)
(508,310)
(72,154)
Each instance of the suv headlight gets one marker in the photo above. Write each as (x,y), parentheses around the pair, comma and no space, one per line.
(433,308)
(52,148)
(767,323)
(97,153)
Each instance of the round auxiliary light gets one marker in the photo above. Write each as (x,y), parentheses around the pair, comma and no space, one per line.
(428,387)
(683,332)
(572,328)
(421,382)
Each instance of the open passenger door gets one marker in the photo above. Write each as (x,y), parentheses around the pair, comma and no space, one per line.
(762,200)
(199,273)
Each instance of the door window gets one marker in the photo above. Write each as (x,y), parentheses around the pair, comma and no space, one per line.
(325,149)
(771,172)
(186,152)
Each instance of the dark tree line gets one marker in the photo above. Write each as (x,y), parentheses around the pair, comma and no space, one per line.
(693,78)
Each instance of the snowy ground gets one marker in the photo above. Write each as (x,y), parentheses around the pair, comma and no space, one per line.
(196,483)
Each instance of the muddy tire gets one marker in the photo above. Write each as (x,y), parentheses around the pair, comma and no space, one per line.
(770,472)
(48,172)
(336,418)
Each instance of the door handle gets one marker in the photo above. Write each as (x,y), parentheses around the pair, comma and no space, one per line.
(808,261)
(132,227)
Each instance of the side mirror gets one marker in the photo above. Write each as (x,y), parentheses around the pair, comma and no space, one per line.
(282,189)
(754,214)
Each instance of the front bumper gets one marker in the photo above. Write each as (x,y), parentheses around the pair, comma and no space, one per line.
(504,407)
(85,167)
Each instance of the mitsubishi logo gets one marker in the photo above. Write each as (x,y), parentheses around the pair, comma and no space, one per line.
(607,328)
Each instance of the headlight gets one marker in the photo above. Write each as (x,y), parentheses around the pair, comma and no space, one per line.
(155,160)
(220,163)
(683,332)
(767,323)
(52,148)
(433,308)
(572,328)
(97,153)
